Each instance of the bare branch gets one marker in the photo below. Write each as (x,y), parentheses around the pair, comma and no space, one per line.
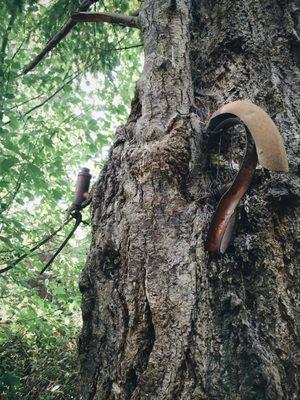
(58,37)
(111,18)
(25,102)
(111,49)
(57,91)
(77,223)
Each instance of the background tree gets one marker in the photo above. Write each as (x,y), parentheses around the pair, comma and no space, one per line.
(57,117)
(161,318)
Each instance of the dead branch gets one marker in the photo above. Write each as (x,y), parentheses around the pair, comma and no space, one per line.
(58,37)
(111,18)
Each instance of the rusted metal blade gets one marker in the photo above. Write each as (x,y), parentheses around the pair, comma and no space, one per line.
(268,141)
(268,149)
(222,224)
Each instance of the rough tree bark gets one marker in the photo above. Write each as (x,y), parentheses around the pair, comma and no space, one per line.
(162,319)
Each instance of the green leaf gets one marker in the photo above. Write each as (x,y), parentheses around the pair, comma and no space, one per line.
(7,164)
(34,170)
(11,146)
(10,379)
(5,240)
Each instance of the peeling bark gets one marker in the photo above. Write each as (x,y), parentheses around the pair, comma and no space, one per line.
(161,318)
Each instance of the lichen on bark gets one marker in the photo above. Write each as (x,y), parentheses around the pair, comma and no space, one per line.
(162,319)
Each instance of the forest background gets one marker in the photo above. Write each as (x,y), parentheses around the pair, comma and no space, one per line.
(58,117)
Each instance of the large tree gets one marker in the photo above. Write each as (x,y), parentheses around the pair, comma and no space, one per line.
(163,319)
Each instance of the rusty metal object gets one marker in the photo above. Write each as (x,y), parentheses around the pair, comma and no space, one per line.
(82,187)
(268,141)
(268,149)
(80,196)
(81,199)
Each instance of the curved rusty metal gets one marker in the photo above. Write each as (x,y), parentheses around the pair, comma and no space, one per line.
(268,149)
(268,141)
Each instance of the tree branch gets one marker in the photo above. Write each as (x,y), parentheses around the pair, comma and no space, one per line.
(25,255)
(2,59)
(6,33)
(47,98)
(116,48)
(25,102)
(111,18)
(58,37)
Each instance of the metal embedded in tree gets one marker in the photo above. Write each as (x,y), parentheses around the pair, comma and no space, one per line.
(267,148)
(82,187)
(82,199)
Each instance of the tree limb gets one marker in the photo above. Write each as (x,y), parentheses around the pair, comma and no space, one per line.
(58,37)
(25,102)
(111,18)
(6,33)
(2,59)
(77,223)
(116,48)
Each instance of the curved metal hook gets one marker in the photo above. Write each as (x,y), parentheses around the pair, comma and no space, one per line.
(268,149)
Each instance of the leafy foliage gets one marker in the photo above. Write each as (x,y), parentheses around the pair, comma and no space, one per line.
(60,116)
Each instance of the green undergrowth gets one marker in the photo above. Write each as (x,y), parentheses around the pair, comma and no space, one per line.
(35,368)
(40,322)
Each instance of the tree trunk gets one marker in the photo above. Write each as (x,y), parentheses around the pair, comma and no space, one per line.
(163,319)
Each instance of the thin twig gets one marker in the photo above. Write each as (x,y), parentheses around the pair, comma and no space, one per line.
(52,95)
(25,102)
(19,48)
(119,48)
(77,223)
(15,192)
